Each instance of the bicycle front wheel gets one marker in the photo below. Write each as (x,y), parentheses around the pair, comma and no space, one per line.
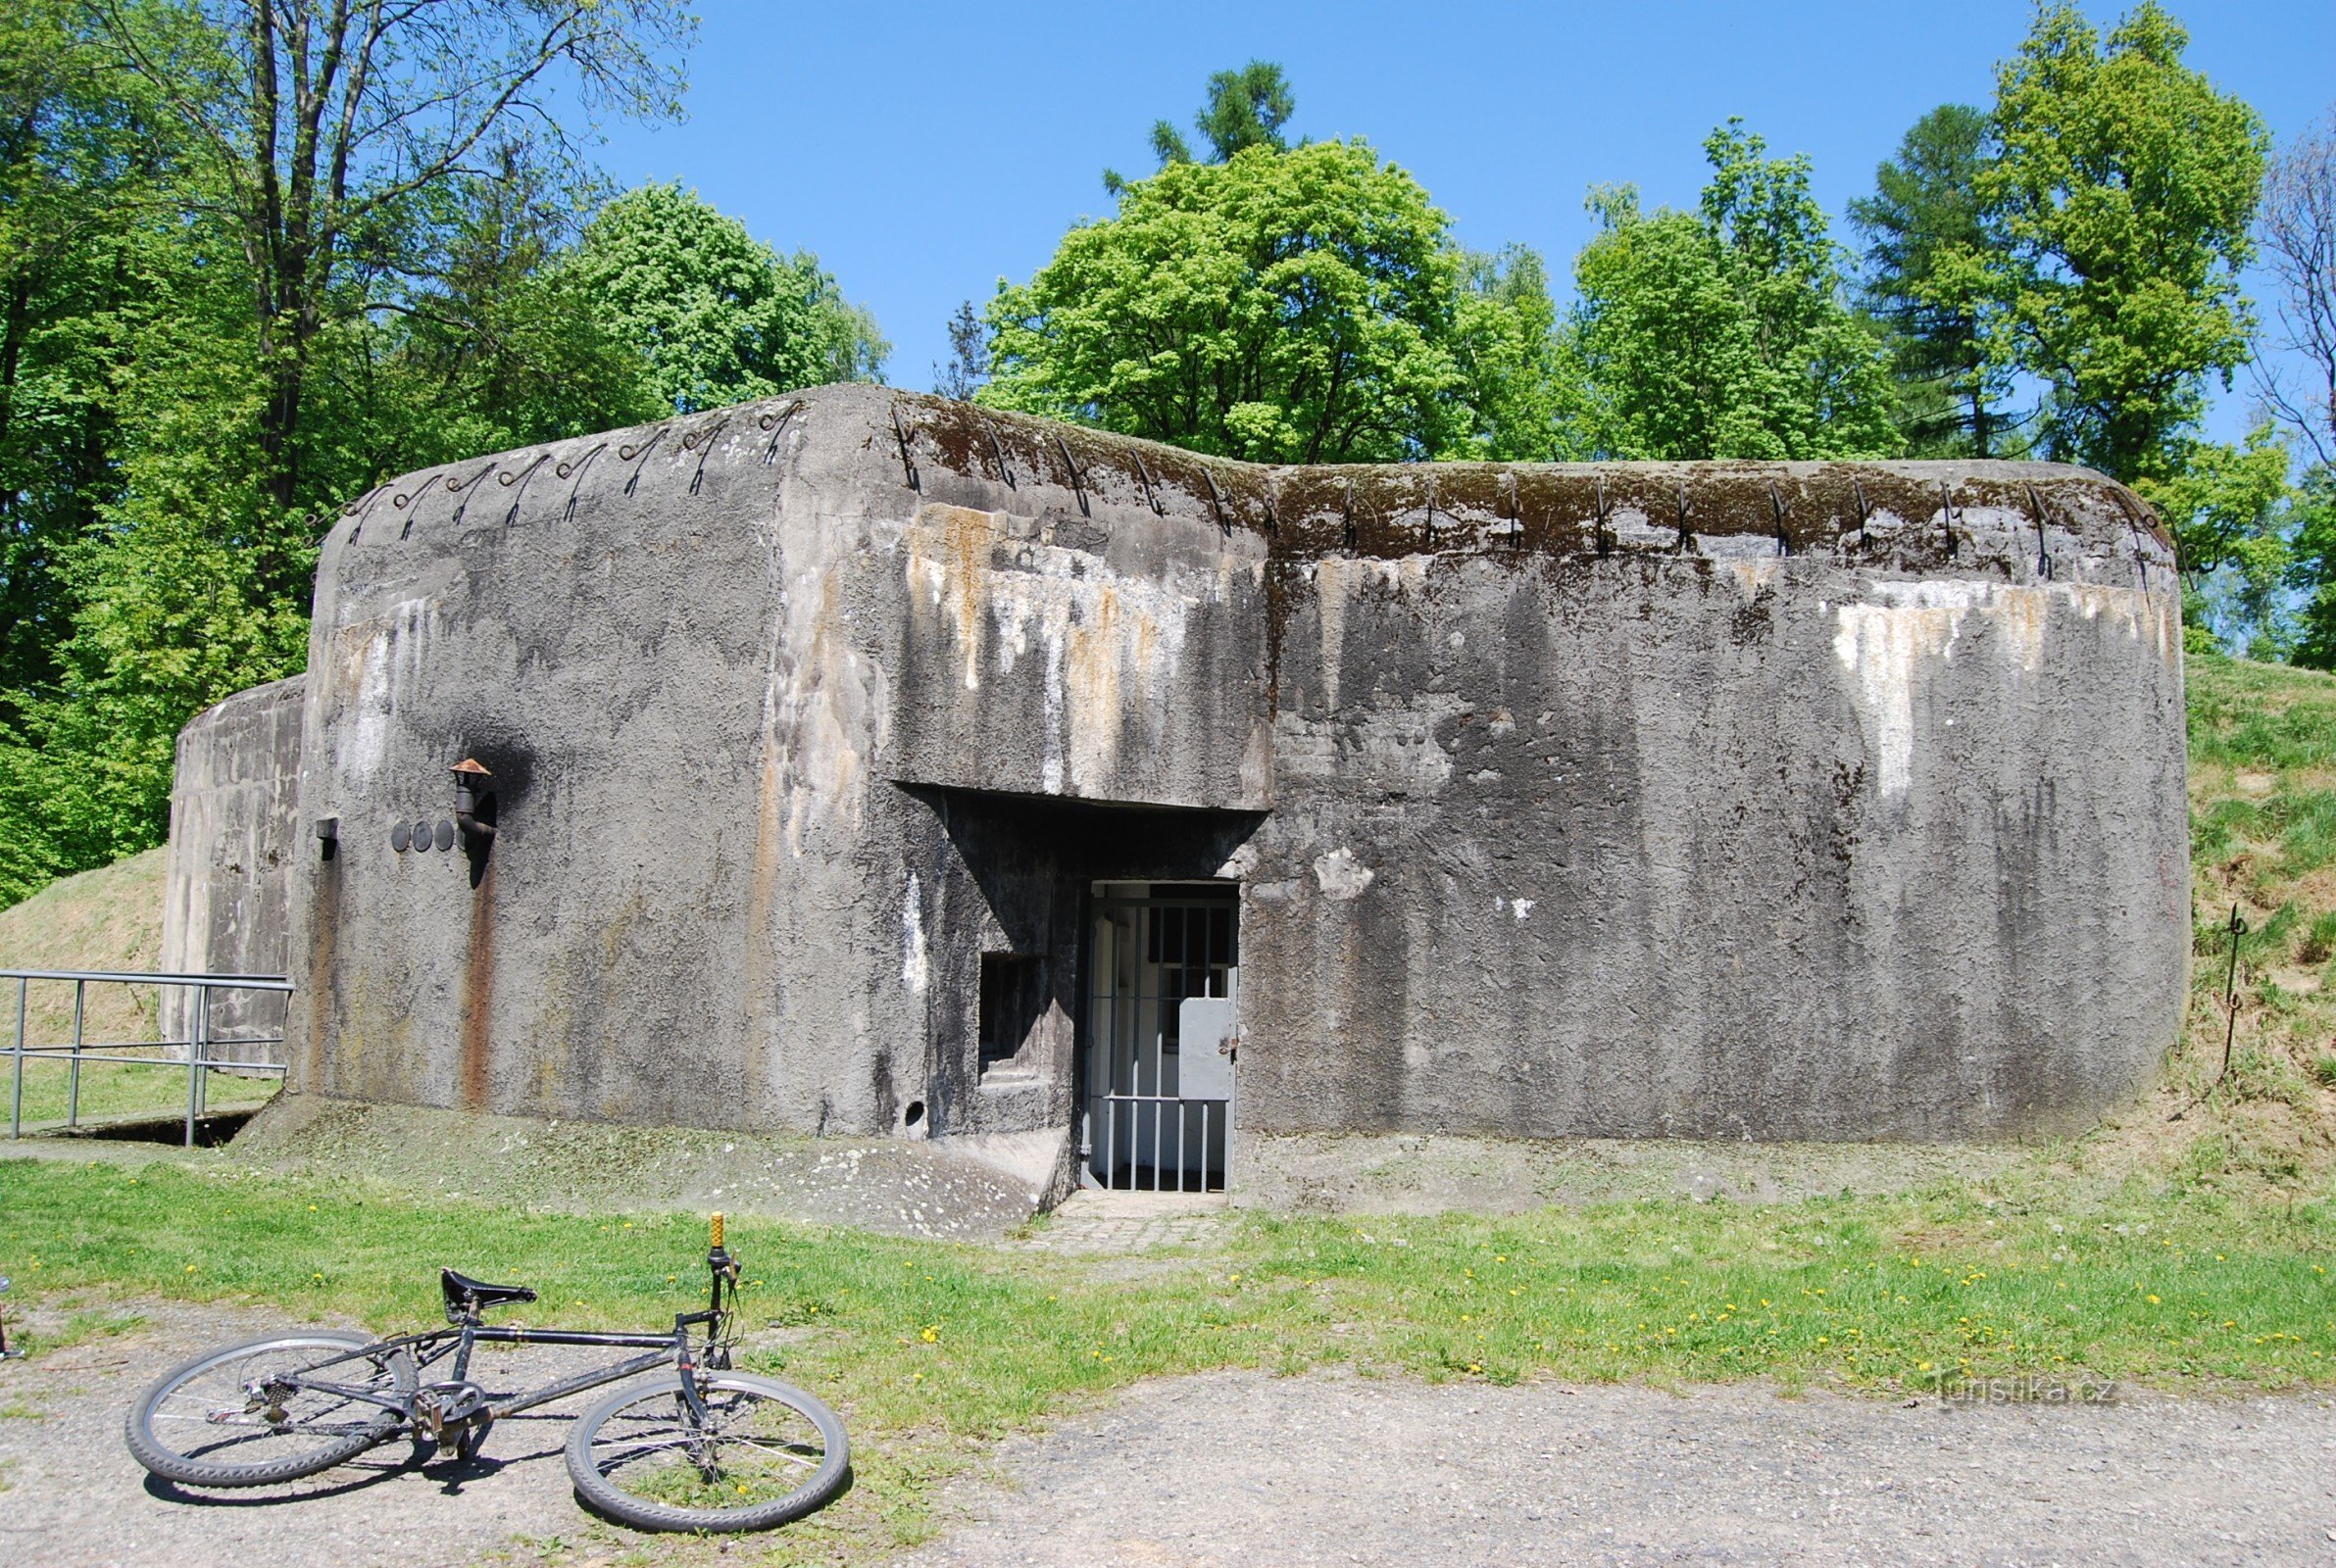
(270,1410)
(765,1453)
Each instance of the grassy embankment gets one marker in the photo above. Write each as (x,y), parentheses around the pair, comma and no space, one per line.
(105,919)
(2193,1252)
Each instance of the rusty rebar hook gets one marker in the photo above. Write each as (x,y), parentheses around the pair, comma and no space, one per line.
(2236,925)
(641,452)
(997,449)
(467,488)
(2141,557)
(1947,514)
(521,479)
(907,464)
(2041,511)
(703,441)
(1598,514)
(1782,509)
(1151,493)
(1215,500)
(562,468)
(398,503)
(1078,483)
(776,424)
(360,507)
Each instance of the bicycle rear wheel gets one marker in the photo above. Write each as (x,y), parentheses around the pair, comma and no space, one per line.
(270,1410)
(767,1452)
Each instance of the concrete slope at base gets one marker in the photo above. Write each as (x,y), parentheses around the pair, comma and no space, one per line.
(930,1189)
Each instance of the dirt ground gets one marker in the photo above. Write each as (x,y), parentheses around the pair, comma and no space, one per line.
(1242,1469)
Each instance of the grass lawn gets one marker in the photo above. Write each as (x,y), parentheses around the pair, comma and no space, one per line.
(931,1350)
(2191,1251)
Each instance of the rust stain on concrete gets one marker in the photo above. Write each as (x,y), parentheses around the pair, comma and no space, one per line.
(478,993)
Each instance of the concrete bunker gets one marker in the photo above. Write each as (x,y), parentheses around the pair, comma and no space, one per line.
(860,759)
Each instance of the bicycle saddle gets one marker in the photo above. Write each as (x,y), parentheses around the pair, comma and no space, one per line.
(464,1295)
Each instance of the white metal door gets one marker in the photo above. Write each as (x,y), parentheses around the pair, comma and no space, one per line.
(1162,1043)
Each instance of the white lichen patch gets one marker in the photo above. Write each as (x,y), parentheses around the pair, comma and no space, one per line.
(914,967)
(1341,876)
(1887,643)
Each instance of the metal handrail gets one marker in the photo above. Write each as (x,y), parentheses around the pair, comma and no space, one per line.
(199,1063)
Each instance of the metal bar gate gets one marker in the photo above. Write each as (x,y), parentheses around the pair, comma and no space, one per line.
(1163,972)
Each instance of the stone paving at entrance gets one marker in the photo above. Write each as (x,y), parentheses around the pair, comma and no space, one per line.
(1093,1222)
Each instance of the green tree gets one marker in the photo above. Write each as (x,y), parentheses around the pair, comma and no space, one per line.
(482,340)
(1246,108)
(78,162)
(2123,190)
(1726,333)
(1925,212)
(2225,507)
(1511,362)
(716,314)
(968,356)
(2311,569)
(316,123)
(123,362)
(1304,306)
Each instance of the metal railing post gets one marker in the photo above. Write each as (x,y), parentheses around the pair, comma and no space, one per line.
(16,1099)
(202,1079)
(194,1062)
(73,1091)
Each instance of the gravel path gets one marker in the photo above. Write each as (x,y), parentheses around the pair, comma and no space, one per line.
(1246,1469)
(75,1498)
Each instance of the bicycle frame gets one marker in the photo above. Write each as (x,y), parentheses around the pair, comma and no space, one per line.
(671,1349)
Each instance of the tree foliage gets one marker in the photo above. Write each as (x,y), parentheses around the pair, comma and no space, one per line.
(1924,218)
(2123,189)
(1727,332)
(1304,306)
(1245,108)
(968,356)
(254,259)
(716,316)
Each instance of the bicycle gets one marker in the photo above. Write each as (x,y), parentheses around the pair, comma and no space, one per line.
(701,1448)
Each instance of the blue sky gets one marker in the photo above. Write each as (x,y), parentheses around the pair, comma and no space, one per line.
(925,151)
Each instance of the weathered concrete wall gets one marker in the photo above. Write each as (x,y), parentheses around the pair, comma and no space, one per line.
(1785,800)
(234,825)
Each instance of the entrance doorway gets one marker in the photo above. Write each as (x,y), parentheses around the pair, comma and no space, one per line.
(1163,1000)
